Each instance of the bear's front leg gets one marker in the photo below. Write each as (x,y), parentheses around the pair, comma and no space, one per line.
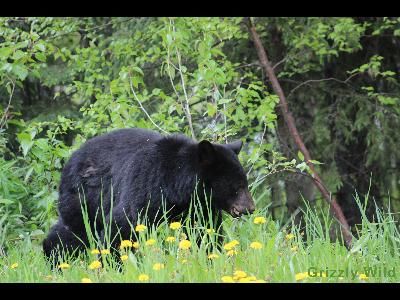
(118,228)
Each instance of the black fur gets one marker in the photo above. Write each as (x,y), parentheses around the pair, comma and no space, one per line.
(143,168)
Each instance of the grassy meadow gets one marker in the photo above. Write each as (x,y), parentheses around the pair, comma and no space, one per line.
(255,249)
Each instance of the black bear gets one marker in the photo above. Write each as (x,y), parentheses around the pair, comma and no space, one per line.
(139,170)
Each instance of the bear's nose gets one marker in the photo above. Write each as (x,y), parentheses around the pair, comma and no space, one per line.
(238,210)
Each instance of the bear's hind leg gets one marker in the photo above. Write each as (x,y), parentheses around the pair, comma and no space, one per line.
(61,240)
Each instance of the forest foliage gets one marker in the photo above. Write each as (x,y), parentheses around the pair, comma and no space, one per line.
(64,80)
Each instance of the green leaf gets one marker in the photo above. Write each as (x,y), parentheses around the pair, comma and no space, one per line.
(40,56)
(5,52)
(25,141)
(300,155)
(223,101)
(21,71)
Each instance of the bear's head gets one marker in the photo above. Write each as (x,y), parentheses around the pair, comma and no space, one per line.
(224,176)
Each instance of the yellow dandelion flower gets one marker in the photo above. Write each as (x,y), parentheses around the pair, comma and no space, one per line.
(140,227)
(158,266)
(14,266)
(239,274)
(301,276)
(231,252)
(63,266)
(259,220)
(210,230)
(170,239)
(289,236)
(150,242)
(95,251)
(244,280)
(95,265)
(105,251)
(175,225)
(294,248)
(86,280)
(231,245)
(136,245)
(184,244)
(256,245)
(260,281)
(227,279)
(125,244)
(362,276)
(252,278)
(143,277)
(213,256)
(124,257)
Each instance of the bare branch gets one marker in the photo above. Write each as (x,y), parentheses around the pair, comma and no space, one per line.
(187,107)
(290,122)
(142,108)
(321,80)
(5,114)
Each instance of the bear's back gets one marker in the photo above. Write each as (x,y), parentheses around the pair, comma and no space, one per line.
(98,155)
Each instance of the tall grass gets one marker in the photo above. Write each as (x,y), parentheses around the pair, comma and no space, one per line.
(288,254)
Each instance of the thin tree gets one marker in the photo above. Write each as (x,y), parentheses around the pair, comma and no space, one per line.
(290,122)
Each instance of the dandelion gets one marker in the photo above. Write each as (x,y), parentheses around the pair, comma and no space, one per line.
(256,245)
(301,276)
(259,220)
(63,266)
(14,266)
(140,227)
(136,245)
(231,252)
(86,280)
(143,277)
(175,225)
(184,244)
(125,244)
(95,265)
(105,251)
(362,276)
(210,230)
(289,236)
(227,279)
(95,251)
(260,281)
(158,266)
(231,245)
(239,274)
(124,257)
(150,242)
(170,239)
(213,256)
(294,248)
(244,280)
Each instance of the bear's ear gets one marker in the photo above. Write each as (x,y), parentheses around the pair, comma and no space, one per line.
(206,153)
(236,146)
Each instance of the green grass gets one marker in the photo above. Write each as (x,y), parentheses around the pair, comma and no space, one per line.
(279,259)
